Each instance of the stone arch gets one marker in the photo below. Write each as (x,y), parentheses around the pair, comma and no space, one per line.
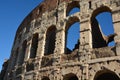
(45,78)
(50,40)
(106,75)
(34,45)
(70,76)
(99,40)
(70,6)
(70,22)
(100,10)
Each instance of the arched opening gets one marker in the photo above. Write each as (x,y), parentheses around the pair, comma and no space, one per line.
(73,11)
(106,76)
(22,55)
(72,35)
(45,78)
(72,8)
(106,24)
(34,46)
(102,28)
(50,40)
(70,76)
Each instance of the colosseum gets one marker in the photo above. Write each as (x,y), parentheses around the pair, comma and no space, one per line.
(40,49)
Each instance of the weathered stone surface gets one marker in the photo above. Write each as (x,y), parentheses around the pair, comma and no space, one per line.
(40,53)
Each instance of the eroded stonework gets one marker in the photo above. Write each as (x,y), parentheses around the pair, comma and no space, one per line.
(39,51)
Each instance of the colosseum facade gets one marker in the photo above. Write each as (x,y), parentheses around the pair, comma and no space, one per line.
(40,53)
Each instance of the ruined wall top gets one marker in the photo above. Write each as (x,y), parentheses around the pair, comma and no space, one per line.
(87,9)
(45,6)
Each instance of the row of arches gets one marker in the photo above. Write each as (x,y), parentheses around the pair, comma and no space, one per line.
(100,25)
(101,28)
(72,34)
(48,48)
(49,42)
(100,75)
(100,32)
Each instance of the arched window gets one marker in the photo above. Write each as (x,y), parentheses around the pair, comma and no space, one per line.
(72,34)
(106,24)
(102,28)
(72,8)
(70,76)
(50,40)
(106,76)
(34,46)
(22,55)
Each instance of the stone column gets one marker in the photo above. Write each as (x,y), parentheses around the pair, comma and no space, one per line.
(40,50)
(116,24)
(85,72)
(60,33)
(60,43)
(85,35)
(41,40)
(85,26)
(85,32)
(27,54)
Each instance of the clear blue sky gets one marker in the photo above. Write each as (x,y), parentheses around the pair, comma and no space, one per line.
(12,13)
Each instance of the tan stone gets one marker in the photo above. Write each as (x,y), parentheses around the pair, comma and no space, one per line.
(39,50)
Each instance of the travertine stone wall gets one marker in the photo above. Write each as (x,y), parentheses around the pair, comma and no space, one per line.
(91,59)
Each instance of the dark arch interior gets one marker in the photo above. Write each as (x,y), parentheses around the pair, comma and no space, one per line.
(70,77)
(97,37)
(107,76)
(29,67)
(50,40)
(45,78)
(73,78)
(34,46)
